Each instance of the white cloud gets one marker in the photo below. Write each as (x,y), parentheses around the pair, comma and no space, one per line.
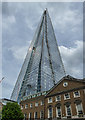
(73,59)
(19,52)
(8,21)
(68,19)
(29,23)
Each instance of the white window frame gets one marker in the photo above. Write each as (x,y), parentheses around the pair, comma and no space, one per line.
(30,105)
(65,84)
(48,113)
(56,98)
(42,102)
(66,110)
(34,115)
(57,112)
(77,108)
(22,107)
(29,115)
(25,116)
(40,114)
(65,96)
(50,101)
(36,104)
(74,94)
(26,106)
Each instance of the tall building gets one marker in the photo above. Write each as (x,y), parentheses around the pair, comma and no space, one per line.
(42,67)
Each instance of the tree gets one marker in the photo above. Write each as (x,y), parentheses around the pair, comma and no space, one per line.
(12,111)
(0,114)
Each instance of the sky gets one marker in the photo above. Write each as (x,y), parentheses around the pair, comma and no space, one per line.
(19,23)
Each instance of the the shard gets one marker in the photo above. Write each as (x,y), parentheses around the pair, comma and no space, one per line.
(42,67)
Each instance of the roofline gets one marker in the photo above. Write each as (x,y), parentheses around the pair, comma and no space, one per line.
(8,99)
(68,77)
(66,91)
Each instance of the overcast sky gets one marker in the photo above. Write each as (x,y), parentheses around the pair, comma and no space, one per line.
(19,22)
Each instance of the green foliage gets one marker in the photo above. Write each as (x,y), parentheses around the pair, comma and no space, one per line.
(12,111)
(0,114)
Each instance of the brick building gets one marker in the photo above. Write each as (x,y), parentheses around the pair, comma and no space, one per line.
(65,100)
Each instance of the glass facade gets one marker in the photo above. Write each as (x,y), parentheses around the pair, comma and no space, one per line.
(43,66)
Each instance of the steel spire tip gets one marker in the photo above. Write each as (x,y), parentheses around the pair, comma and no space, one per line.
(45,10)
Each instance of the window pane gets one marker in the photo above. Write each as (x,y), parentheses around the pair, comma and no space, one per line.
(50,112)
(42,114)
(58,98)
(59,111)
(36,104)
(30,115)
(49,100)
(35,114)
(67,96)
(79,108)
(68,110)
(76,93)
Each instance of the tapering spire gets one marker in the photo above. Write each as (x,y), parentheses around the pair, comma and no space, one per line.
(43,66)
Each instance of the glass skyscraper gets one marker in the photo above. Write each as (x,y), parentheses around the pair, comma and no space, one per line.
(42,67)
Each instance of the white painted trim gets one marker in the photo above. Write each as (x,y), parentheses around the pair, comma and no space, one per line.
(40,113)
(42,102)
(65,83)
(34,114)
(30,105)
(26,106)
(56,98)
(84,91)
(74,94)
(66,110)
(29,115)
(36,104)
(21,107)
(65,97)
(57,112)
(77,108)
(51,100)
(48,113)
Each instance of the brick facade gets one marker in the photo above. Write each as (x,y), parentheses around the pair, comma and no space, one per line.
(65,100)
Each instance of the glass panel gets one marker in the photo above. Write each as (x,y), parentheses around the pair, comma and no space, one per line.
(30,105)
(26,106)
(79,107)
(67,96)
(43,66)
(50,112)
(68,110)
(30,116)
(42,114)
(49,100)
(76,93)
(58,98)
(36,104)
(35,115)
(59,111)
(42,102)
